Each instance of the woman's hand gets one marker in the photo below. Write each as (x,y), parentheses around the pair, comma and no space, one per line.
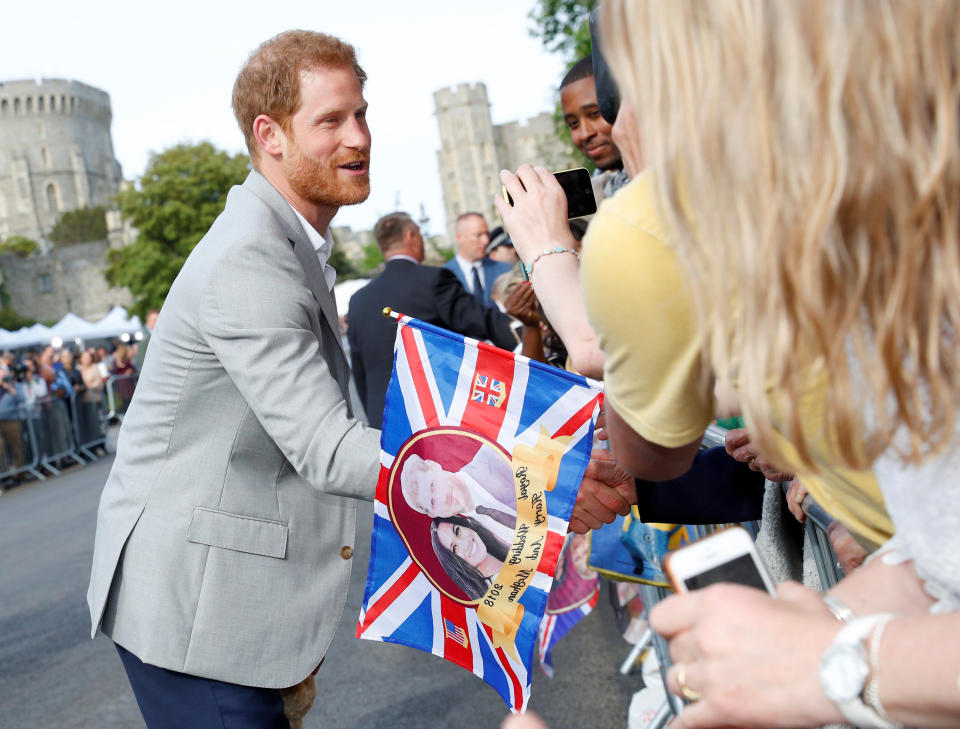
(537,220)
(753,661)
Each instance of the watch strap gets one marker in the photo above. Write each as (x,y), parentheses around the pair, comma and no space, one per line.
(855,710)
(871,693)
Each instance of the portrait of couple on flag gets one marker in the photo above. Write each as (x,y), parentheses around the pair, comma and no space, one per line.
(472,509)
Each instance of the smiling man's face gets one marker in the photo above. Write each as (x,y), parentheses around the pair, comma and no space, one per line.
(327,155)
(588,129)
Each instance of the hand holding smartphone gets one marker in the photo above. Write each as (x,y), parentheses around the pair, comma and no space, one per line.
(577,187)
(725,556)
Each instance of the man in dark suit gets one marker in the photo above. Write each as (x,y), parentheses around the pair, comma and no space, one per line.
(425,292)
(471,265)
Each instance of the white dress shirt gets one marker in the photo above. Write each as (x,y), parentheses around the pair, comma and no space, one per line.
(323,245)
(468,268)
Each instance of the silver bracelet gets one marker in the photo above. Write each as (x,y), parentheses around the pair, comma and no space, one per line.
(871,692)
(528,270)
(841,611)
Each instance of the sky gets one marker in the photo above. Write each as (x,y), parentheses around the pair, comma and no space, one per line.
(169,69)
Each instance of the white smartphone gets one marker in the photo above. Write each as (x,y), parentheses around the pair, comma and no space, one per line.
(725,556)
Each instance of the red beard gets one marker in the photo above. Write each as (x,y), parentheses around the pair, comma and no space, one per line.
(322,184)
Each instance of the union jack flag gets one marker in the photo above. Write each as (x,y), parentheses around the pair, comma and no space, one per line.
(432,420)
(487,390)
(573,597)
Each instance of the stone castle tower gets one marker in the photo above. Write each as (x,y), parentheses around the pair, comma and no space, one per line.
(56,153)
(473,150)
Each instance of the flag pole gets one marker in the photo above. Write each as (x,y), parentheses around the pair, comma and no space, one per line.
(390,313)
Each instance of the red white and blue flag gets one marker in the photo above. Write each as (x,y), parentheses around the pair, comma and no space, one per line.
(573,596)
(482,454)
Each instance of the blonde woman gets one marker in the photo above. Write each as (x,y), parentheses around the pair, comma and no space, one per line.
(803,203)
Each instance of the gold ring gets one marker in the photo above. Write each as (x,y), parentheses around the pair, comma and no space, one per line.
(685,691)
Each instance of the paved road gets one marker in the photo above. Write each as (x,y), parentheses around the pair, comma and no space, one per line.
(52,676)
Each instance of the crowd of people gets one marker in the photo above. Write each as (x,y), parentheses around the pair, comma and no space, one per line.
(777,242)
(52,402)
(788,235)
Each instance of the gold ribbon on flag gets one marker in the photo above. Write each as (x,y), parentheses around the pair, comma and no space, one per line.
(535,471)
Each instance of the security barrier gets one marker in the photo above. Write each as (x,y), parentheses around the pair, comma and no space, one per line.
(47,434)
(828,568)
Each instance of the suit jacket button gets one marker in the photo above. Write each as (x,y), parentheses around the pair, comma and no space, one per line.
(346,552)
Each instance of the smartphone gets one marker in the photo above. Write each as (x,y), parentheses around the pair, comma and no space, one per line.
(725,556)
(578,188)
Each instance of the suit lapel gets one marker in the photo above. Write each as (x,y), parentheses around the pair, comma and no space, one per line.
(307,256)
(300,244)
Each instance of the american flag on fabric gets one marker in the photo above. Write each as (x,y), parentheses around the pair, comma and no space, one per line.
(482,454)
(573,596)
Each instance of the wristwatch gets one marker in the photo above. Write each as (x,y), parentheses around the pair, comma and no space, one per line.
(845,671)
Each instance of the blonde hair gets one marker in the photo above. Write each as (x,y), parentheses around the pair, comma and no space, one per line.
(806,161)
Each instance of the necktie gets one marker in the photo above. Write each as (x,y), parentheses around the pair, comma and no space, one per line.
(477,286)
(500,516)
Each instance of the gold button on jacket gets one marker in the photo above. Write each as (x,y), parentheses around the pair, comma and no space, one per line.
(346,552)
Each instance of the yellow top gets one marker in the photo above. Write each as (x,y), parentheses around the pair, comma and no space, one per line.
(643,317)
(639,304)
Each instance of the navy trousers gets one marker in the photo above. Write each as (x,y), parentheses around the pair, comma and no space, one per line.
(171,700)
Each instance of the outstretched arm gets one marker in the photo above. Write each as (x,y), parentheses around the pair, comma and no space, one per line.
(537,221)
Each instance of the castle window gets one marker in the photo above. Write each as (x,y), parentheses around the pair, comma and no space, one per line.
(46,156)
(29,104)
(73,102)
(63,104)
(52,202)
(53,103)
(44,284)
(4,107)
(40,103)
(16,106)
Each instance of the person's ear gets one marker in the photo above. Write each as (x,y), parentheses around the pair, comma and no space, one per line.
(269,135)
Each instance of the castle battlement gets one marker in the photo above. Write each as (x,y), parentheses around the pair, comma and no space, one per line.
(53,96)
(464,94)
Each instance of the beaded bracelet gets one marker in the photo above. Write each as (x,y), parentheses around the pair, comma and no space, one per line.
(528,270)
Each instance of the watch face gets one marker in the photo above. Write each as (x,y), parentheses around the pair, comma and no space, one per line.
(843,672)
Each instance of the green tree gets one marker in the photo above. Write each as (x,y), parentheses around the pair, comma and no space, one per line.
(562,26)
(18,245)
(11,320)
(182,191)
(372,257)
(80,226)
(343,265)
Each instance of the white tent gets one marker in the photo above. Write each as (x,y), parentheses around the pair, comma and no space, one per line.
(344,290)
(71,327)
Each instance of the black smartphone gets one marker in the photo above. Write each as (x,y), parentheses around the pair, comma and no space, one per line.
(578,188)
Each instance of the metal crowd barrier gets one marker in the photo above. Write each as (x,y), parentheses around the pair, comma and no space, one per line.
(828,568)
(816,524)
(18,447)
(46,433)
(119,389)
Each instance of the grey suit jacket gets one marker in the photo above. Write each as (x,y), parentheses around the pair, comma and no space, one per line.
(225,528)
